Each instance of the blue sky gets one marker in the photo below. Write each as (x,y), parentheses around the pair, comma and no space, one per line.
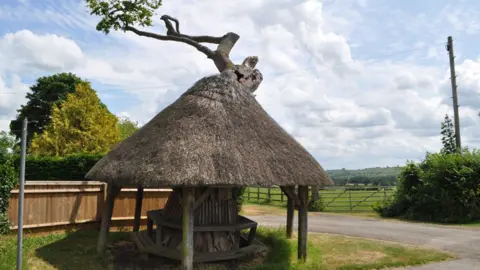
(359,83)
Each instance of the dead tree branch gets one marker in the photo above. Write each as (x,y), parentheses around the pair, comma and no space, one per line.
(221,56)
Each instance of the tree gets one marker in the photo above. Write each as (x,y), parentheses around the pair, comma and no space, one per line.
(81,124)
(448,136)
(45,92)
(127,127)
(124,15)
(7,144)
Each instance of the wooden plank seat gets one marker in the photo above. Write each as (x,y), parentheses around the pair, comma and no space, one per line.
(146,241)
(155,217)
(146,245)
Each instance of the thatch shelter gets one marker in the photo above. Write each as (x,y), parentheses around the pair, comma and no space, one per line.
(214,137)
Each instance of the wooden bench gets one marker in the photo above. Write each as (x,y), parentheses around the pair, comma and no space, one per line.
(155,219)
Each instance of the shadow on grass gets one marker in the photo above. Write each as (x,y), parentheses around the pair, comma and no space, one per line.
(77,250)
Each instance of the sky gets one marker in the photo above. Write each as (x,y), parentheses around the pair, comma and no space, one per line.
(359,83)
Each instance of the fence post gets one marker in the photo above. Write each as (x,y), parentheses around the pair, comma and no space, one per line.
(258,194)
(248,193)
(269,195)
(384,194)
(350,199)
(281,196)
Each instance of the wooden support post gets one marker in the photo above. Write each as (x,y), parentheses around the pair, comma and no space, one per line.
(290,214)
(187,232)
(251,235)
(112,192)
(302,222)
(138,209)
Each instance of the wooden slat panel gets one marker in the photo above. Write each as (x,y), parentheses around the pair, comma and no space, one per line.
(57,203)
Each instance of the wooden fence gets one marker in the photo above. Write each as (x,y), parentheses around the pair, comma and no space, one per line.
(335,199)
(57,203)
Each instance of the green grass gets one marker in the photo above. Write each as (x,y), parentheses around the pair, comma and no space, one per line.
(77,250)
(335,200)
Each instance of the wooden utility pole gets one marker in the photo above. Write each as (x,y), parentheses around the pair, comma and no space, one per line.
(453,79)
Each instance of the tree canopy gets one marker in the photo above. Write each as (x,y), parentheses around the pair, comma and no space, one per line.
(127,127)
(46,92)
(7,144)
(81,124)
(448,136)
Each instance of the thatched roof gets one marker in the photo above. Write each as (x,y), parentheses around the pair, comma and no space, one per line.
(216,133)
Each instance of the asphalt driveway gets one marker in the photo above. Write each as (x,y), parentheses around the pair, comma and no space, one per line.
(463,242)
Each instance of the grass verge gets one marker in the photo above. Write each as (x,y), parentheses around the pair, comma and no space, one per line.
(77,250)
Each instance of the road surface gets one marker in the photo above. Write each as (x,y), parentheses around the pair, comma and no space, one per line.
(462,242)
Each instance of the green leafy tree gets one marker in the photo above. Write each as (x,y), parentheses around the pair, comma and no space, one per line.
(127,127)
(7,144)
(8,178)
(46,92)
(448,136)
(81,124)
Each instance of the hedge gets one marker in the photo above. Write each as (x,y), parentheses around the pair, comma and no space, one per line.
(442,188)
(8,180)
(72,167)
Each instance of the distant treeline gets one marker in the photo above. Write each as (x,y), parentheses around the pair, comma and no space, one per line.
(370,176)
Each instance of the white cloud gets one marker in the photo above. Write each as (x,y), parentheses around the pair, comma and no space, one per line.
(11,97)
(25,51)
(348,113)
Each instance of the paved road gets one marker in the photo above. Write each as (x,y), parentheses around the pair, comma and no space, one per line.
(463,242)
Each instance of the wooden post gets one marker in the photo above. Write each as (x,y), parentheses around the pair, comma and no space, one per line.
(302,222)
(350,199)
(138,209)
(187,235)
(290,214)
(269,194)
(315,193)
(258,194)
(112,192)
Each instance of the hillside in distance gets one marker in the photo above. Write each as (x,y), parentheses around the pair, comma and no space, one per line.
(383,176)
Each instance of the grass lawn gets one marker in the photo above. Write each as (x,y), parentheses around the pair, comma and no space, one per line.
(77,250)
(257,209)
(335,200)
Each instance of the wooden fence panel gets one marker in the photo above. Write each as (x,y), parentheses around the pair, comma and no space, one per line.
(125,202)
(56,203)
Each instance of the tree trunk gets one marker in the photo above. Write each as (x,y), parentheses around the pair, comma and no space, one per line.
(213,207)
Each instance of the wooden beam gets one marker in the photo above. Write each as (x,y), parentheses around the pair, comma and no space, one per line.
(315,193)
(112,192)
(302,222)
(138,209)
(290,192)
(203,197)
(187,230)
(290,214)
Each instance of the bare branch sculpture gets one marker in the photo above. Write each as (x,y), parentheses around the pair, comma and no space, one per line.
(221,56)
(123,15)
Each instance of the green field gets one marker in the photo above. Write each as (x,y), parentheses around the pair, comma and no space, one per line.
(335,199)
